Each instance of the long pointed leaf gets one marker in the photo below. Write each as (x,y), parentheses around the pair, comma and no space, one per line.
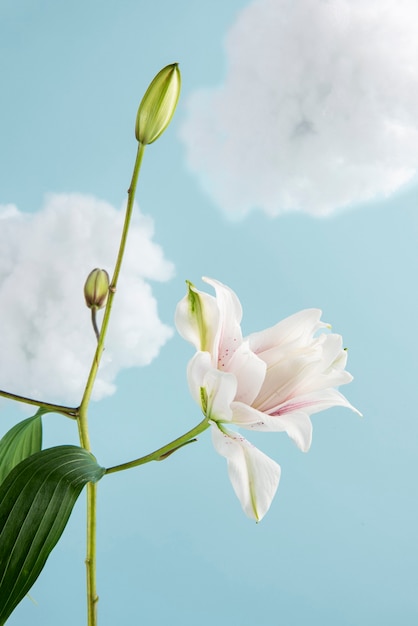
(24,439)
(36,500)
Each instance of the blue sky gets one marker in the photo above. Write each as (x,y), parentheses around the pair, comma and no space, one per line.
(338,545)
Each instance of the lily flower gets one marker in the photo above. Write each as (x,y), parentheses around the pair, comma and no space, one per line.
(272,380)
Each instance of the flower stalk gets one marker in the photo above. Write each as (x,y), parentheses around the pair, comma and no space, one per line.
(92,597)
(165,451)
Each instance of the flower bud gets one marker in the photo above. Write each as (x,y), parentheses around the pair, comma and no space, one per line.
(158,104)
(96,289)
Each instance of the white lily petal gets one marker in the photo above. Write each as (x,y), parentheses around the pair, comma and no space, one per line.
(298,328)
(197,368)
(296,425)
(198,324)
(283,380)
(290,374)
(249,371)
(254,476)
(341,360)
(332,378)
(220,388)
(332,348)
(227,299)
(314,402)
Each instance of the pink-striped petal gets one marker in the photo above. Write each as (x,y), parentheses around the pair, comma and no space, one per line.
(296,425)
(229,336)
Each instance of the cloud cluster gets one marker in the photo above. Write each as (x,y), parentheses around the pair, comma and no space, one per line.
(318,109)
(46,339)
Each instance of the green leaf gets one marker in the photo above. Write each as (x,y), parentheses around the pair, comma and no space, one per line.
(20,442)
(36,500)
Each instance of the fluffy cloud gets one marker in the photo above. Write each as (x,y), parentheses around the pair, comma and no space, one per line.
(318,109)
(46,338)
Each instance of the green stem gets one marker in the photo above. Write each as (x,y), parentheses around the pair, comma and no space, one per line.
(92,596)
(82,421)
(94,322)
(50,408)
(112,290)
(165,451)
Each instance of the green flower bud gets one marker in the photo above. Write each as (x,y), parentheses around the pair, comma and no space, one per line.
(158,104)
(96,289)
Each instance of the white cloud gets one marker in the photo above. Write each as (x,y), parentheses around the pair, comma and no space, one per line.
(46,339)
(318,109)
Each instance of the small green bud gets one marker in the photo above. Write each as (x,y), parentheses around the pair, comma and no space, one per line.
(158,104)
(96,289)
